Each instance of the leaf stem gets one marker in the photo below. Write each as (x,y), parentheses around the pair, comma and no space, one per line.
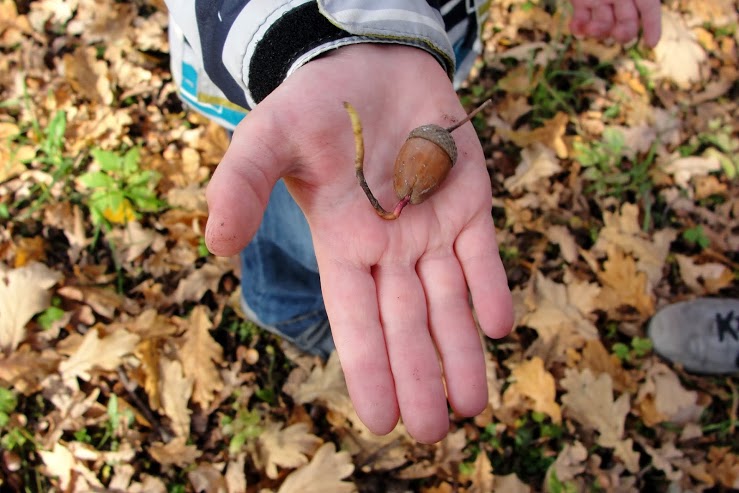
(359,166)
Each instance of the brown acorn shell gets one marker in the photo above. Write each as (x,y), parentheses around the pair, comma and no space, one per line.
(423,163)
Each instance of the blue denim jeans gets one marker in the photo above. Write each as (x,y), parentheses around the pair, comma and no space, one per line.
(280,284)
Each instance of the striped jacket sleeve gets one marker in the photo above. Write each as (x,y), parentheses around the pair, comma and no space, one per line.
(228,55)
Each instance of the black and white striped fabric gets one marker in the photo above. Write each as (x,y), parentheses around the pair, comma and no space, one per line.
(228,55)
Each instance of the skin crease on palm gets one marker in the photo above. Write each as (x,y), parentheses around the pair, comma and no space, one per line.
(396,292)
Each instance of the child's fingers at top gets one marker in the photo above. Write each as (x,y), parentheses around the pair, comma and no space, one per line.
(650,12)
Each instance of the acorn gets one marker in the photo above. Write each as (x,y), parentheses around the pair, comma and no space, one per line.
(422,165)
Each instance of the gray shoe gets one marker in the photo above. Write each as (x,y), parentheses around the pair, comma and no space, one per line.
(701,335)
(316,339)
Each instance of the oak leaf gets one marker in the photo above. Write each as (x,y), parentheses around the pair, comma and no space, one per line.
(538,163)
(589,401)
(624,230)
(175,390)
(325,472)
(198,282)
(686,168)
(104,353)
(207,479)
(72,474)
(560,314)
(551,134)
(510,483)
(533,387)
(570,462)
(624,285)
(284,447)
(176,452)
(679,56)
(200,355)
(599,360)
(482,478)
(326,384)
(23,294)
(662,398)
(704,279)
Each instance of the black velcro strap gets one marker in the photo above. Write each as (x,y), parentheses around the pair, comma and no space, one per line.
(295,33)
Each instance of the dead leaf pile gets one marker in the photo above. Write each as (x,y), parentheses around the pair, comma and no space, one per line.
(124,362)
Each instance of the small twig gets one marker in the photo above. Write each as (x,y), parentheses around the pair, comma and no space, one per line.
(163,434)
(469,117)
(359,166)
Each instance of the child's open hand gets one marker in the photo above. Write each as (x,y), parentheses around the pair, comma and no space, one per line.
(617,19)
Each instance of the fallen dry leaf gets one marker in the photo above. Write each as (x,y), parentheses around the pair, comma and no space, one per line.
(325,472)
(200,355)
(589,401)
(624,285)
(326,384)
(284,447)
(662,398)
(482,478)
(175,390)
(538,163)
(72,474)
(104,353)
(623,230)
(596,358)
(510,483)
(198,282)
(551,134)
(570,462)
(207,479)
(560,314)
(176,452)
(23,294)
(678,55)
(685,168)
(704,279)
(534,387)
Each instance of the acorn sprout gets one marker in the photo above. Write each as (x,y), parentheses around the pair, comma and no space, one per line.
(422,165)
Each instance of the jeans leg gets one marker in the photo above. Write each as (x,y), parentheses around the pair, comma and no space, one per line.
(280,283)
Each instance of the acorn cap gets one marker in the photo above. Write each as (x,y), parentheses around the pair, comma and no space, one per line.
(439,136)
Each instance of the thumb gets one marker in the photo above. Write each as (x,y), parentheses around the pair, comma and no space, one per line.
(240,187)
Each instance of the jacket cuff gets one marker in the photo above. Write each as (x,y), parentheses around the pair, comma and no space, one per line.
(300,31)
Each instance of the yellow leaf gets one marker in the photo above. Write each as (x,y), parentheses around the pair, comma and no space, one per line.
(624,285)
(23,293)
(623,229)
(532,382)
(325,472)
(200,354)
(120,215)
(551,134)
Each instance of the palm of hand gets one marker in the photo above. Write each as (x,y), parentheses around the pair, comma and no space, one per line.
(395,291)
